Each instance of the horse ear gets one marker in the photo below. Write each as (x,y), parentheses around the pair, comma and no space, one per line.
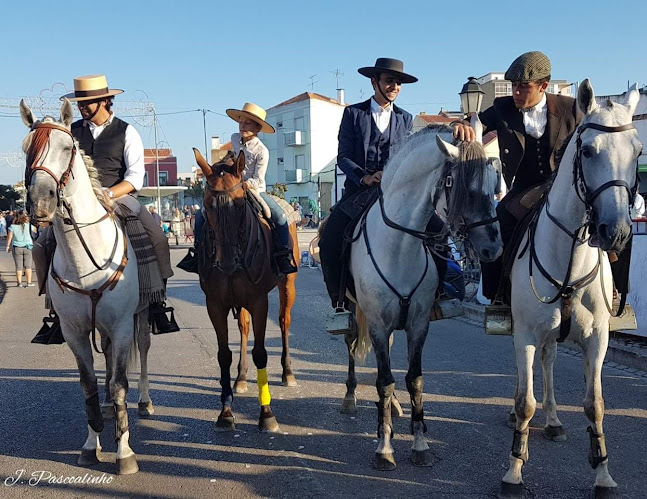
(586,97)
(67,114)
(27,115)
(449,150)
(240,164)
(632,97)
(478,127)
(202,163)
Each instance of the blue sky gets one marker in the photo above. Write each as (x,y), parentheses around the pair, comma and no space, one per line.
(215,55)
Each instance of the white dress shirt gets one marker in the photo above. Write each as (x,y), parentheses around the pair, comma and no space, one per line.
(535,118)
(381,115)
(256,158)
(133,152)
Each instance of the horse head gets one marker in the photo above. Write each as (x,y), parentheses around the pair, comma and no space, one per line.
(471,179)
(51,152)
(605,164)
(224,203)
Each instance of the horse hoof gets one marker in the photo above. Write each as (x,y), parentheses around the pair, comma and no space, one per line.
(349,406)
(89,457)
(511,490)
(396,408)
(384,462)
(421,458)
(289,380)
(108,411)
(512,421)
(146,409)
(604,492)
(240,387)
(268,425)
(127,465)
(225,424)
(555,433)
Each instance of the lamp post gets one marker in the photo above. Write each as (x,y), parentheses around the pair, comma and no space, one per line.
(471,96)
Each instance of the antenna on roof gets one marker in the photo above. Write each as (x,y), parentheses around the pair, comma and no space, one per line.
(337,75)
(312,82)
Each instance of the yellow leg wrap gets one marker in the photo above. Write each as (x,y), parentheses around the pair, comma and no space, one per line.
(264,397)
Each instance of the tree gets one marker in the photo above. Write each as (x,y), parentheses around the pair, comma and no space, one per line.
(8,197)
(279,190)
(196,191)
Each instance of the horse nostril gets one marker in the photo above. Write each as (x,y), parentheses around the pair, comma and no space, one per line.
(486,253)
(51,193)
(603,231)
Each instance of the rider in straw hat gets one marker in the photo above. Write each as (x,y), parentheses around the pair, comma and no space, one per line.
(367,134)
(251,121)
(117,151)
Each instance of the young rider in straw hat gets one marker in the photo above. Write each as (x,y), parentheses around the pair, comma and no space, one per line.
(118,154)
(251,121)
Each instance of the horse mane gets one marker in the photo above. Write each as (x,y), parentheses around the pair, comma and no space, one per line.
(467,171)
(34,146)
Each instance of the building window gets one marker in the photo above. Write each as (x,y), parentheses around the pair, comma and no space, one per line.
(145,179)
(300,161)
(163,178)
(502,88)
(299,123)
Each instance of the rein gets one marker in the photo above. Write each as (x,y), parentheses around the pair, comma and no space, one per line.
(579,236)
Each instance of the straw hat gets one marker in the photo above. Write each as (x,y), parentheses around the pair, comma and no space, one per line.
(253,112)
(388,65)
(90,88)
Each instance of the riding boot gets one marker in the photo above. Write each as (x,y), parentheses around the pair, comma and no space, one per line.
(50,333)
(190,262)
(161,322)
(285,261)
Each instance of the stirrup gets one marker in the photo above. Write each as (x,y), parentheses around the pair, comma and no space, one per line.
(341,322)
(50,332)
(160,323)
(498,319)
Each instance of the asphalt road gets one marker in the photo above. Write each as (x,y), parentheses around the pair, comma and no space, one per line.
(469,381)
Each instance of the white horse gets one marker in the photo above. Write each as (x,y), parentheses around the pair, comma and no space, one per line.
(395,277)
(93,263)
(595,182)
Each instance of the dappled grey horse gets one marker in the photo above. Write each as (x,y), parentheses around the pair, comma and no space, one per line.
(395,277)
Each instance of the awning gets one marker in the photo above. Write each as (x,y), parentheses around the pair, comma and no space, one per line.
(164,190)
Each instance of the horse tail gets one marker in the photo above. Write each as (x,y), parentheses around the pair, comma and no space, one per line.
(363,346)
(133,351)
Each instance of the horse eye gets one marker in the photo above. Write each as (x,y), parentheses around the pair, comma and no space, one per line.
(586,152)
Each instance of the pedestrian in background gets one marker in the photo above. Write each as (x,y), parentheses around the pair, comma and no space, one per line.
(3,226)
(20,243)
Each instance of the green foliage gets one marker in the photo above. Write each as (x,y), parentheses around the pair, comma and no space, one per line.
(279,190)
(8,197)
(196,191)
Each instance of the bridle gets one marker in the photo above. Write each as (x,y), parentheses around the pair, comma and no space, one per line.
(431,241)
(579,235)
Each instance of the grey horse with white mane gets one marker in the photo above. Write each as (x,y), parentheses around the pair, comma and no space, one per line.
(395,277)
(93,279)
(562,284)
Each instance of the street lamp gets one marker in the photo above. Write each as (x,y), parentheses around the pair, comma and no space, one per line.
(471,96)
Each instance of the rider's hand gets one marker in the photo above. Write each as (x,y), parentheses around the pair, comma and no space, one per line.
(464,132)
(370,180)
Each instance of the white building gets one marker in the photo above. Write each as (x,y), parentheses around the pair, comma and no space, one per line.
(303,151)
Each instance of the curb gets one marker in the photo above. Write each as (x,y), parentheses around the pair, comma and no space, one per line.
(624,349)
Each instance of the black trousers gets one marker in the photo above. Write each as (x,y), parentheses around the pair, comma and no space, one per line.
(333,258)
(492,272)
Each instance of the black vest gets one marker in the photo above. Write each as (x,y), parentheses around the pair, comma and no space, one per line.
(535,165)
(379,148)
(107,151)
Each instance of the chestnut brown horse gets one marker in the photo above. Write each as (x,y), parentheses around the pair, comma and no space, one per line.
(237,273)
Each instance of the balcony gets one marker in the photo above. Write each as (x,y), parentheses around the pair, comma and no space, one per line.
(296,176)
(295,138)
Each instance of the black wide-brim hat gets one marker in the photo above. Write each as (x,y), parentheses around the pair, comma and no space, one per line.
(388,65)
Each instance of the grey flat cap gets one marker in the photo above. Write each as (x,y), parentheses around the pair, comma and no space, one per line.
(528,67)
